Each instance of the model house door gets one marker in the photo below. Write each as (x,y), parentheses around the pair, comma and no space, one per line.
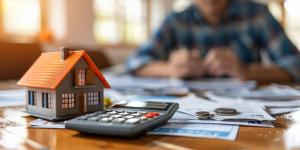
(83,102)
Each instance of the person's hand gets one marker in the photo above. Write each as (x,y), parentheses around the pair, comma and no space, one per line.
(183,64)
(223,62)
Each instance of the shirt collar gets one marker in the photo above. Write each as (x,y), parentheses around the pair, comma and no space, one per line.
(197,14)
(232,11)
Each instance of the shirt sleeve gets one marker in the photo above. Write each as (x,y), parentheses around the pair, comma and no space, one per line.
(157,48)
(281,50)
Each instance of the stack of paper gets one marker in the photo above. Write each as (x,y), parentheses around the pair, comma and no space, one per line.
(183,118)
(128,84)
(220,85)
(248,112)
(276,99)
(249,115)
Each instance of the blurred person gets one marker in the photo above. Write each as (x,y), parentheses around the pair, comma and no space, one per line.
(217,38)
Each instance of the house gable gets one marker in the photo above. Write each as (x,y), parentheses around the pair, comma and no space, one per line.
(69,82)
(67,86)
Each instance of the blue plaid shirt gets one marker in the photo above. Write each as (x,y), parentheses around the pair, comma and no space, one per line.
(247,27)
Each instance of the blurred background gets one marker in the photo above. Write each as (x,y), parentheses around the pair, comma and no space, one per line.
(110,30)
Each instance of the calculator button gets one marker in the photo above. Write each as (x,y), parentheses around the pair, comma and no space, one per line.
(143,112)
(143,118)
(136,114)
(154,113)
(116,116)
(93,119)
(132,121)
(129,117)
(112,112)
(148,115)
(103,115)
(106,119)
(118,120)
(99,117)
(120,111)
(131,112)
(123,113)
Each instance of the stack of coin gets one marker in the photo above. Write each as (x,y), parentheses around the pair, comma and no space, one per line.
(226,111)
(203,115)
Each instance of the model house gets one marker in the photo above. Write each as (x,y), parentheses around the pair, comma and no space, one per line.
(62,85)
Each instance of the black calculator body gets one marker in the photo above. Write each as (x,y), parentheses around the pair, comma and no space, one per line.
(127,119)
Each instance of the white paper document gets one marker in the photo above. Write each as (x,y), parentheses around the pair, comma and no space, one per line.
(129,82)
(270,93)
(220,84)
(40,123)
(192,103)
(280,111)
(140,85)
(277,99)
(245,112)
(225,132)
(13,97)
(183,118)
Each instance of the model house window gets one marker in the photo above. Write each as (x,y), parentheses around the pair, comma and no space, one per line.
(68,101)
(51,98)
(93,98)
(35,100)
(45,100)
(31,98)
(89,77)
(80,77)
(84,77)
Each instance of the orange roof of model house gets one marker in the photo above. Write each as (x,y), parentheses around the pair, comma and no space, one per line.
(49,70)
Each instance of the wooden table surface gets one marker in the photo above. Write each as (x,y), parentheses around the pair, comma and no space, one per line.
(286,135)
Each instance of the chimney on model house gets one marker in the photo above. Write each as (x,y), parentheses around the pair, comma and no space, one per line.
(65,52)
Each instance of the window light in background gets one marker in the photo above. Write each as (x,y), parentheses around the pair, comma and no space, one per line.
(106,27)
(21,17)
(136,27)
(292,8)
(120,22)
(180,5)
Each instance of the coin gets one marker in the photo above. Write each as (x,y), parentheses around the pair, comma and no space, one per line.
(225,111)
(203,115)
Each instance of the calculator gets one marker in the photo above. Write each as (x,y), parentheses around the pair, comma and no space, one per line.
(126,119)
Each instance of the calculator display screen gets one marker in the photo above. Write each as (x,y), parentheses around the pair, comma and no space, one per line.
(147,105)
